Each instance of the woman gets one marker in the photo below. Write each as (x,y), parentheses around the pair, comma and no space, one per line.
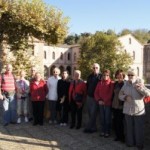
(117,106)
(38,90)
(103,95)
(132,93)
(63,101)
(22,92)
(77,92)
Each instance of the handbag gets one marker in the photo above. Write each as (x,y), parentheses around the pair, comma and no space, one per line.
(147,99)
(78,97)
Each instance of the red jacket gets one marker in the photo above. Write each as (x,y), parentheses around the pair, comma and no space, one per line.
(80,88)
(104,91)
(38,92)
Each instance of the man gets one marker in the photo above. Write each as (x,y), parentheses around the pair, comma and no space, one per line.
(52,94)
(92,105)
(7,84)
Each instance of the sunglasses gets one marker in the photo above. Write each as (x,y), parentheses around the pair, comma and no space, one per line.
(130,75)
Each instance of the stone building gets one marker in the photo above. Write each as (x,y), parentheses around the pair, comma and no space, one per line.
(146,63)
(132,46)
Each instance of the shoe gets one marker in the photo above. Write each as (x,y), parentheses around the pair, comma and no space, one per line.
(89,131)
(72,126)
(34,124)
(26,119)
(30,119)
(78,127)
(64,124)
(116,139)
(101,134)
(19,120)
(50,122)
(6,124)
(61,124)
(55,122)
(106,135)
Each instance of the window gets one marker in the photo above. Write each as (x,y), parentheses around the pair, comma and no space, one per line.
(130,41)
(45,54)
(61,56)
(68,56)
(133,55)
(75,56)
(53,55)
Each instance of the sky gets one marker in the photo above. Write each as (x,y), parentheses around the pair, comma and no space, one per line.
(101,15)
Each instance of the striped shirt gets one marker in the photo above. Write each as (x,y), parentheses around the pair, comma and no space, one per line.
(7,82)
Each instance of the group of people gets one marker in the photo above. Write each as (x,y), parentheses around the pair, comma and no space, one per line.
(121,100)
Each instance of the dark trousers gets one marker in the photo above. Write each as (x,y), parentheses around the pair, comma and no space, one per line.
(64,112)
(38,111)
(134,130)
(92,108)
(53,112)
(118,123)
(76,112)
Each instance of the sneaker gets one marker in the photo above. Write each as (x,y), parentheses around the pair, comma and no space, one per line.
(19,120)
(61,124)
(55,122)
(64,124)
(26,119)
(50,122)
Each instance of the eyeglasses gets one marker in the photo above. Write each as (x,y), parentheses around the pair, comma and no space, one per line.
(95,67)
(130,75)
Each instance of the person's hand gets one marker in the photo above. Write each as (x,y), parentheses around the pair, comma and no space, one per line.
(79,104)
(128,98)
(100,102)
(1,97)
(62,100)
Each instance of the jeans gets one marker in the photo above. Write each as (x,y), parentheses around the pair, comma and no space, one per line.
(105,118)
(9,109)
(22,103)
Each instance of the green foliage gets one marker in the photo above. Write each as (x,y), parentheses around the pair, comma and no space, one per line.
(20,19)
(102,49)
(142,35)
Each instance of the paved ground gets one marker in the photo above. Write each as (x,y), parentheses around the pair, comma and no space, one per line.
(53,137)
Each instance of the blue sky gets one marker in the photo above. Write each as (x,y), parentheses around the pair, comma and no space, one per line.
(101,15)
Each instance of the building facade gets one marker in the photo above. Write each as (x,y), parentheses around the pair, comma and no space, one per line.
(135,49)
(146,63)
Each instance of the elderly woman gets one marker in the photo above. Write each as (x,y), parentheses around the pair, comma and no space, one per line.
(22,91)
(117,106)
(77,92)
(103,95)
(132,93)
(38,90)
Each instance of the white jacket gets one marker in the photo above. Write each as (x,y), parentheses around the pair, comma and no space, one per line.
(135,106)
(52,88)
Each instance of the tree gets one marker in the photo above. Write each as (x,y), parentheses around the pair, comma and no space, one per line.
(21,20)
(103,49)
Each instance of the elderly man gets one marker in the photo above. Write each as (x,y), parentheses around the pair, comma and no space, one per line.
(92,105)
(7,94)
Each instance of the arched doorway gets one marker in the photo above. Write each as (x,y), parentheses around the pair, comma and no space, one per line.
(46,72)
(51,70)
(68,68)
(61,69)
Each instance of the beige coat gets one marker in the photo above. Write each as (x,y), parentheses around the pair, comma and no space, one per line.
(135,105)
